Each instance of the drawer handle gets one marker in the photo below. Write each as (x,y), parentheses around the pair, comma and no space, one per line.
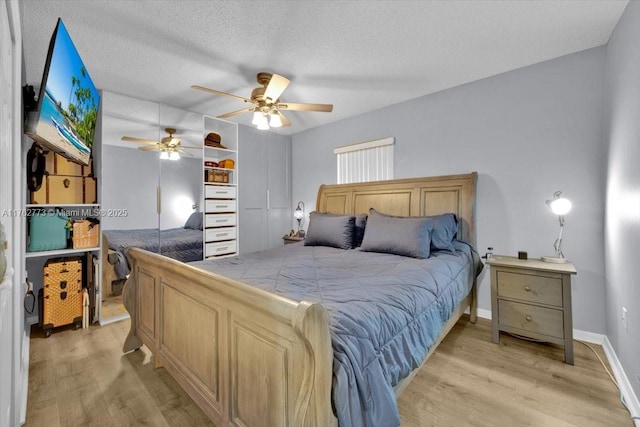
(528,318)
(527,288)
(222,249)
(222,220)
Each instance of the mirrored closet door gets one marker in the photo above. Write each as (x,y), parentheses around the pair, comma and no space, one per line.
(151,186)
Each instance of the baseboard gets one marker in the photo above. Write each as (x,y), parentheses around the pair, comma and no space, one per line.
(590,337)
(616,367)
(484,314)
(623,381)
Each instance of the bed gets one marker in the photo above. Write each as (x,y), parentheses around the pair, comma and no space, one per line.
(182,243)
(252,352)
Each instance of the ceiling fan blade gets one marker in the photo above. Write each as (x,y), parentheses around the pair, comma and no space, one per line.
(276,86)
(233,113)
(217,92)
(150,148)
(285,121)
(138,140)
(325,108)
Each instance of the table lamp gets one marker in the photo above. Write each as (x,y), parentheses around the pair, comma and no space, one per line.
(560,206)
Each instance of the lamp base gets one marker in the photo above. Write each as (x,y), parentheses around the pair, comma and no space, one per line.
(554,259)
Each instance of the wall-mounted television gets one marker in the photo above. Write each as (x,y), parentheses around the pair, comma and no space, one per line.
(67,110)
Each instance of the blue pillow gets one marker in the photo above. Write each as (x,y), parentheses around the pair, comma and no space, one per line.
(406,236)
(194,221)
(330,230)
(445,227)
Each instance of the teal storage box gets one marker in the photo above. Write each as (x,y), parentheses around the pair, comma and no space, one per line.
(47,231)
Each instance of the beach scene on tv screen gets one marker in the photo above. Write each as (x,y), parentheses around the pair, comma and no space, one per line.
(69,103)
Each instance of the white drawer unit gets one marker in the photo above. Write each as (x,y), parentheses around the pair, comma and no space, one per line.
(220,153)
(219,206)
(219,192)
(219,248)
(218,234)
(219,220)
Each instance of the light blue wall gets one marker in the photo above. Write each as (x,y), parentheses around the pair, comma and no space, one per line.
(622,230)
(528,133)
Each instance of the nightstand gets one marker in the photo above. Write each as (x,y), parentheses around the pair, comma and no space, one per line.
(289,239)
(532,299)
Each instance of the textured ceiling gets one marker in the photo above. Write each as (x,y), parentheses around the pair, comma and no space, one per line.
(357,55)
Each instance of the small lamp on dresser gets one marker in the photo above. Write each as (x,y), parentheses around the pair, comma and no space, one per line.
(298,214)
(560,206)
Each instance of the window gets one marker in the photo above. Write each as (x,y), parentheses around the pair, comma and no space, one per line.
(365,161)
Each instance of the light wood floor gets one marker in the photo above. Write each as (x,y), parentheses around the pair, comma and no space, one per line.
(81,378)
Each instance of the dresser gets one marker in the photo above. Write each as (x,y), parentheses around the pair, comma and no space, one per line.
(532,299)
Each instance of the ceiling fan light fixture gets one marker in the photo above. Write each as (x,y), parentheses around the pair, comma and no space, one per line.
(264,124)
(275,120)
(257,117)
(164,155)
(174,155)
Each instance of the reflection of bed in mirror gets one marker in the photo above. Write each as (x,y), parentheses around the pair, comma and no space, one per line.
(145,191)
(182,244)
(306,335)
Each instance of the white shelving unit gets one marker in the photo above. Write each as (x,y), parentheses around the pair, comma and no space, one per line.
(220,190)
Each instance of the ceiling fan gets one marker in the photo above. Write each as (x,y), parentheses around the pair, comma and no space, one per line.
(169,146)
(266,105)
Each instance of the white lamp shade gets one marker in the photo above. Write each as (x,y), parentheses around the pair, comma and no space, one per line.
(174,155)
(298,213)
(257,117)
(264,124)
(164,155)
(560,206)
(275,120)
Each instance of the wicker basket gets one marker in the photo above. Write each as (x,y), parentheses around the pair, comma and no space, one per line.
(216,176)
(86,234)
(62,292)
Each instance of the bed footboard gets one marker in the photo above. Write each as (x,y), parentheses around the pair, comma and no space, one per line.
(245,356)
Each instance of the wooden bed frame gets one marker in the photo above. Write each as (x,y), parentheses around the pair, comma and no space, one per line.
(251,358)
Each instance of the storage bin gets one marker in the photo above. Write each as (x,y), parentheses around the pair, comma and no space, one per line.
(86,234)
(62,293)
(47,231)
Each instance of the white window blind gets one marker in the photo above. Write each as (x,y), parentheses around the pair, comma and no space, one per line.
(365,161)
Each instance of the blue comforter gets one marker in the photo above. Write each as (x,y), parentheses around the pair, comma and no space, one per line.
(183,244)
(386,312)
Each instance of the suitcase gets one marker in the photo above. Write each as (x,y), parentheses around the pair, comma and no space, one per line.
(55,164)
(65,189)
(47,231)
(61,298)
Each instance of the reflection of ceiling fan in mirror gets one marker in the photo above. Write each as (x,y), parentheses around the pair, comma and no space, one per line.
(267,108)
(169,146)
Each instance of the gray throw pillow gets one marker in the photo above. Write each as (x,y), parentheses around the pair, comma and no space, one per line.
(445,228)
(406,236)
(330,230)
(194,221)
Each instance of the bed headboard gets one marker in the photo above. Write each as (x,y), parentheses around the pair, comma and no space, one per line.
(408,197)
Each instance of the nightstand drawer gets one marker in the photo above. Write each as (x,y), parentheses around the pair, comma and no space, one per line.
(531,288)
(531,318)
